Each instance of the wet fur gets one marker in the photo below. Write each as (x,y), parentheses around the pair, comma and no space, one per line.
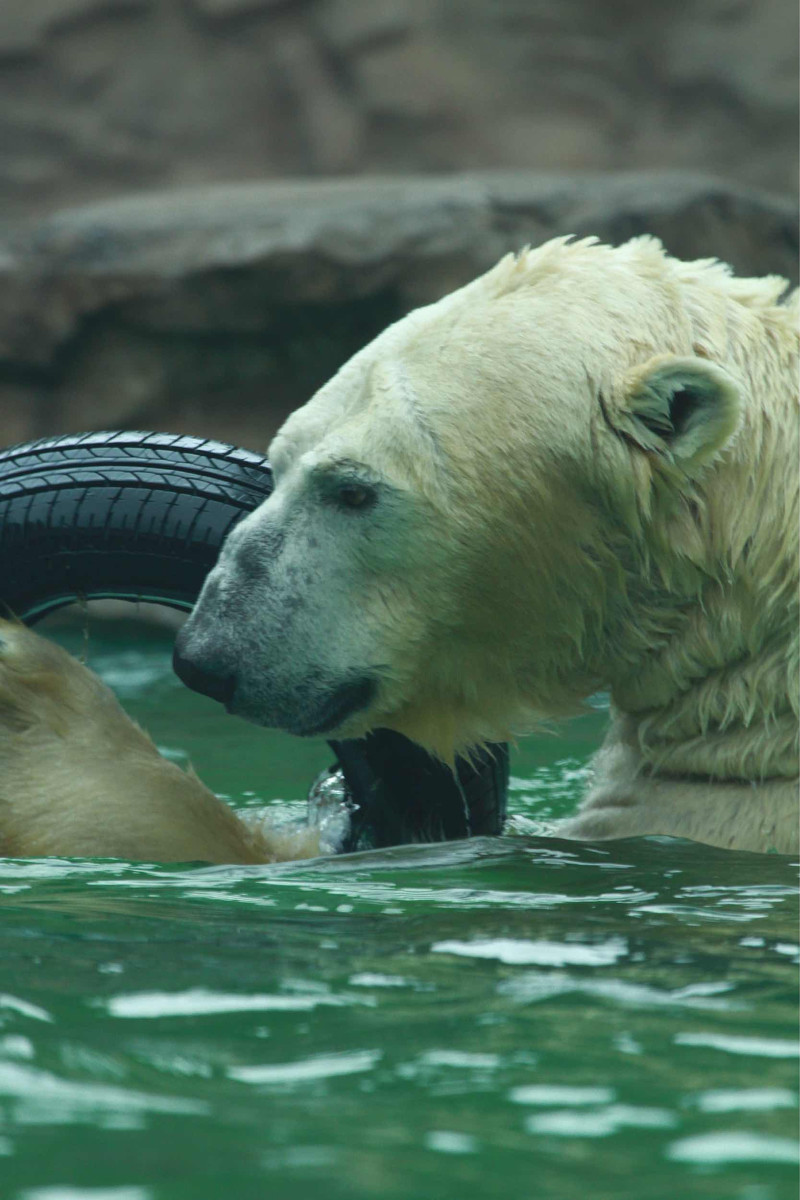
(79,778)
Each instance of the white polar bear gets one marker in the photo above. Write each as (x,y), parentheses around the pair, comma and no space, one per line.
(579,471)
(78,777)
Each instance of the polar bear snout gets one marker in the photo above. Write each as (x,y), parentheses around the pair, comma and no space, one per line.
(204,676)
(278,633)
(263,677)
(310,707)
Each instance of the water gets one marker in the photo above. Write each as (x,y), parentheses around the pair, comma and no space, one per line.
(520,1017)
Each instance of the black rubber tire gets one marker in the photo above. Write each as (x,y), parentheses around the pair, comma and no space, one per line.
(142,516)
(405,795)
(138,516)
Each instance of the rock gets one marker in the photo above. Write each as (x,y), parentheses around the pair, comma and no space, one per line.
(99,97)
(331,125)
(23,23)
(19,413)
(728,53)
(412,79)
(234,8)
(350,24)
(217,310)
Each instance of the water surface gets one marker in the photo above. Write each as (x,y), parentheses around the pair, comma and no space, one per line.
(516,1017)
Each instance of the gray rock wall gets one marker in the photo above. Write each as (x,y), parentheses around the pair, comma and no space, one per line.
(103,96)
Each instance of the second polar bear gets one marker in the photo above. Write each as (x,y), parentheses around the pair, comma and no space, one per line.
(578,471)
(79,778)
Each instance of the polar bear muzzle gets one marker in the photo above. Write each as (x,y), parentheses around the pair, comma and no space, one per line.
(313,709)
(261,639)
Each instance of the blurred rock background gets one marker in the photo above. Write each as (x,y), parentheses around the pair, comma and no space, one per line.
(153,275)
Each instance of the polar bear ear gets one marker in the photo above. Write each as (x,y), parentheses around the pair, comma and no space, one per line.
(686,409)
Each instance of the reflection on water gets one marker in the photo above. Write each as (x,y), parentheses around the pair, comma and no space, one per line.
(520,1015)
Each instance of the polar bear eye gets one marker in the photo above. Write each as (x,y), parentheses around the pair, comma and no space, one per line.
(355,495)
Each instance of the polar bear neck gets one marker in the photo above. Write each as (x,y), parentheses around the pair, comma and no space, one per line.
(714,692)
(706,702)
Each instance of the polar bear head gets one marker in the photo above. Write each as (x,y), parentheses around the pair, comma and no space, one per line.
(494,506)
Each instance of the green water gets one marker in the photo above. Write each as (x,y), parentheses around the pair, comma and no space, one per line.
(520,1017)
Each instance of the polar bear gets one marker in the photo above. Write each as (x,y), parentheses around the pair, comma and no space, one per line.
(580,471)
(78,777)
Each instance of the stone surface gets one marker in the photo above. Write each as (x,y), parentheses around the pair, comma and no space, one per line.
(24,24)
(349,25)
(234,8)
(217,310)
(99,97)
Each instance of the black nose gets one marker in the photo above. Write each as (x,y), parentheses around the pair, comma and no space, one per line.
(201,678)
